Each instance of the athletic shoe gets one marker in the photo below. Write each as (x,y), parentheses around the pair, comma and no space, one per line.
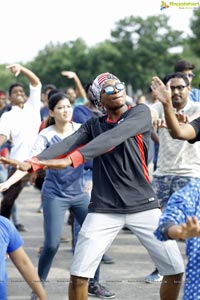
(34,296)
(154,277)
(97,290)
(20,227)
(107,260)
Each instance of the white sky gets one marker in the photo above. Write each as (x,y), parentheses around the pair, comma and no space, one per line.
(27,26)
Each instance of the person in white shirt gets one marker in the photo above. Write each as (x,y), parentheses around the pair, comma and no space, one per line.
(20,125)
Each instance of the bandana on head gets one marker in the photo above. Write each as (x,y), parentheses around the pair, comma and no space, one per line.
(97,85)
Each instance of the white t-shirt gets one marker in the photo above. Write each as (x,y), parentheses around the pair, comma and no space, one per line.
(21,126)
(177,157)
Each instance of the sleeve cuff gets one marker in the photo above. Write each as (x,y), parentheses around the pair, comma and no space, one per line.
(164,229)
(77,159)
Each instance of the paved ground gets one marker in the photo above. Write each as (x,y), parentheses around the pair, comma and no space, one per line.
(125,277)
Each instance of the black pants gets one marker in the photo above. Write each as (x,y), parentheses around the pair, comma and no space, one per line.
(12,193)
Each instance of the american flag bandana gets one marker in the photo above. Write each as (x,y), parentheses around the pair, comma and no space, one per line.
(98,84)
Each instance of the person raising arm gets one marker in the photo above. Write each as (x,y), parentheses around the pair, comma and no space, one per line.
(182,131)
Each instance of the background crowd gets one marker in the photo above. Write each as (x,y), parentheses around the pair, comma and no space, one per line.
(26,129)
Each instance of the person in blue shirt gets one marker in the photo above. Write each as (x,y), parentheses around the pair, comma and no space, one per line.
(180,220)
(11,244)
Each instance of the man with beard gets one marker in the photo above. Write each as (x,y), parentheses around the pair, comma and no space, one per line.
(178,161)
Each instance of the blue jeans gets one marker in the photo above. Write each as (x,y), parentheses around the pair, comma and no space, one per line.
(54,213)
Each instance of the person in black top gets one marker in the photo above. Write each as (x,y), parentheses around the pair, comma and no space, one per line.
(122,194)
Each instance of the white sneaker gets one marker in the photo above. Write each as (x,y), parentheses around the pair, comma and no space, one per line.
(154,277)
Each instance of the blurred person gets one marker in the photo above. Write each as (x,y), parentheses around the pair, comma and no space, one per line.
(178,161)
(180,220)
(120,195)
(152,100)
(188,129)
(187,68)
(5,149)
(76,95)
(44,111)
(11,244)
(20,125)
(4,105)
(141,99)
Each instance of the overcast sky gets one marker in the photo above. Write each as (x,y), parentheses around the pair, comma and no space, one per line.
(27,26)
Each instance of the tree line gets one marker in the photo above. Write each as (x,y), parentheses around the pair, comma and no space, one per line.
(137,50)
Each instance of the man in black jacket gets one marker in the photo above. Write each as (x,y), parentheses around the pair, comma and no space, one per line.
(122,194)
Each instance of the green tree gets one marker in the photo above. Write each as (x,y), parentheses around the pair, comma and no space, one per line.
(55,58)
(103,58)
(195,27)
(6,78)
(137,50)
(145,48)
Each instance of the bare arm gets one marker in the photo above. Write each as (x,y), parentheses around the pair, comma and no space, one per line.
(186,230)
(163,94)
(28,271)
(23,166)
(12,180)
(78,84)
(55,163)
(16,69)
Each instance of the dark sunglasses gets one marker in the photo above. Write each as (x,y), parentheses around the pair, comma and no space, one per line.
(191,75)
(178,87)
(109,89)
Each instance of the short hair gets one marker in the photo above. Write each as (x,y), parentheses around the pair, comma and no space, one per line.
(48,86)
(183,65)
(176,75)
(12,86)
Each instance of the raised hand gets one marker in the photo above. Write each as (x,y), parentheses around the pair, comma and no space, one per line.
(182,118)
(189,229)
(159,123)
(15,69)
(68,74)
(162,92)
